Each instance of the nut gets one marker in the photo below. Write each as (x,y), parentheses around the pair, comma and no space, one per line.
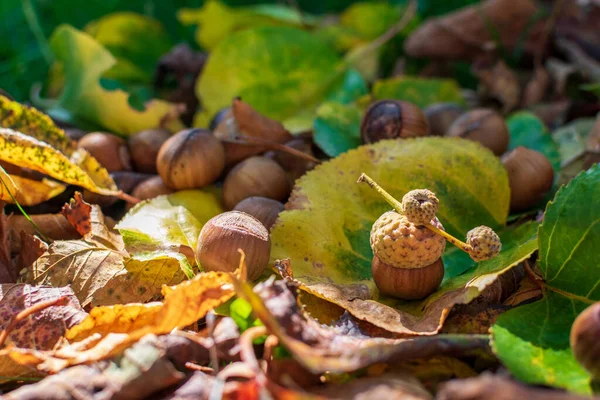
(144,147)
(407,283)
(440,117)
(484,242)
(420,206)
(151,188)
(223,235)
(110,150)
(484,126)
(392,119)
(263,209)
(255,176)
(190,159)
(530,175)
(584,339)
(399,243)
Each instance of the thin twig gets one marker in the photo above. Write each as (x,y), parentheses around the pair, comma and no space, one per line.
(212,350)
(63,300)
(275,146)
(270,344)
(247,346)
(197,367)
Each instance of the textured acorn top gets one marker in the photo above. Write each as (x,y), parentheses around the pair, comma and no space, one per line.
(420,206)
(484,242)
(401,244)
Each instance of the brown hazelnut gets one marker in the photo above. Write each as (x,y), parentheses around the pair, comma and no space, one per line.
(111,151)
(484,126)
(407,283)
(144,147)
(255,176)
(295,166)
(530,175)
(440,117)
(263,209)
(392,119)
(151,188)
(222,236)
(190,159)
(584,339)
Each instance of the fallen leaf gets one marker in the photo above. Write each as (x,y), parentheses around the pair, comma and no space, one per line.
(499,82)
(53,226)
(27,192)
(422,92)
(390,386)
(529,131)
(84,61)
(337,127)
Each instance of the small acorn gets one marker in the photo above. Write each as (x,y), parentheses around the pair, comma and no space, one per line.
(151,188)
(484,126)
(190,159)
(407,283)
(392,119)
(530,175)
(255,176)
(144,147)
(584,339)
(263,209)
(111,151)
(221,237)
(440,117)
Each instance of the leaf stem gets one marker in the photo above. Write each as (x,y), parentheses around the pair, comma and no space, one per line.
(398,207)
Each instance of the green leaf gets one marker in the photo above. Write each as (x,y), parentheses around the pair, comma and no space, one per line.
(325,229)
(571,137)
(161,225)
(529,131)
(533,341)
(370,19)
(216,20)
(337,128)
(283,72)
(136,41)
(85,61)
(419,91)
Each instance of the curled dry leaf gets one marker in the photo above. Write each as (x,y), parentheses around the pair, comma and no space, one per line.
(537,87)
(468,33)
(387,386)
(499,82)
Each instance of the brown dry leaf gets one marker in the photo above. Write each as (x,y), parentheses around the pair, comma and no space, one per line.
(390,386)
(32,248)
(111,329)
(53,226)
(97,267)
(536,88)
(41,330)
(245,121)
(321,349)
(499,82)
(466,33)
(8,271)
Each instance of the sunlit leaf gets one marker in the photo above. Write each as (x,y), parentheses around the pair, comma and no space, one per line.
(420,91)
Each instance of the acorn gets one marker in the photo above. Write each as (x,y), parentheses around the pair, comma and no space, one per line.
(222,236)
(584,339)
(392,119)
(440,117)
(484,126)
(263,209)
(530,176)
(151,188)
(111,151)
(407,283)
(190,159)
(144,147)
(255,176)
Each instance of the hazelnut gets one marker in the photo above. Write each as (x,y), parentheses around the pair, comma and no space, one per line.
(110,150)
(263,209)
(584,339)
(190,159)
(440,117)
(295,166)
(407,283)
(392,119)
(255,176)
(219,117)
(151,188)
(530,175)
(223,235)
(144,147)
(484,126)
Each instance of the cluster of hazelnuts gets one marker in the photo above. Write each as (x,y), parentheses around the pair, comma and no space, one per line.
(254,179)
(530,173)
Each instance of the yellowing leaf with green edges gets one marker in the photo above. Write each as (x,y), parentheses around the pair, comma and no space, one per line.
(136,41)
(280,71)
(325,228)
(420,91)
(31,127)
(216,20)
(27,192)
(84,61)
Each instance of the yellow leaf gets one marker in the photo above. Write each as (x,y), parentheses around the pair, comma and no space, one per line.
(27,192)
